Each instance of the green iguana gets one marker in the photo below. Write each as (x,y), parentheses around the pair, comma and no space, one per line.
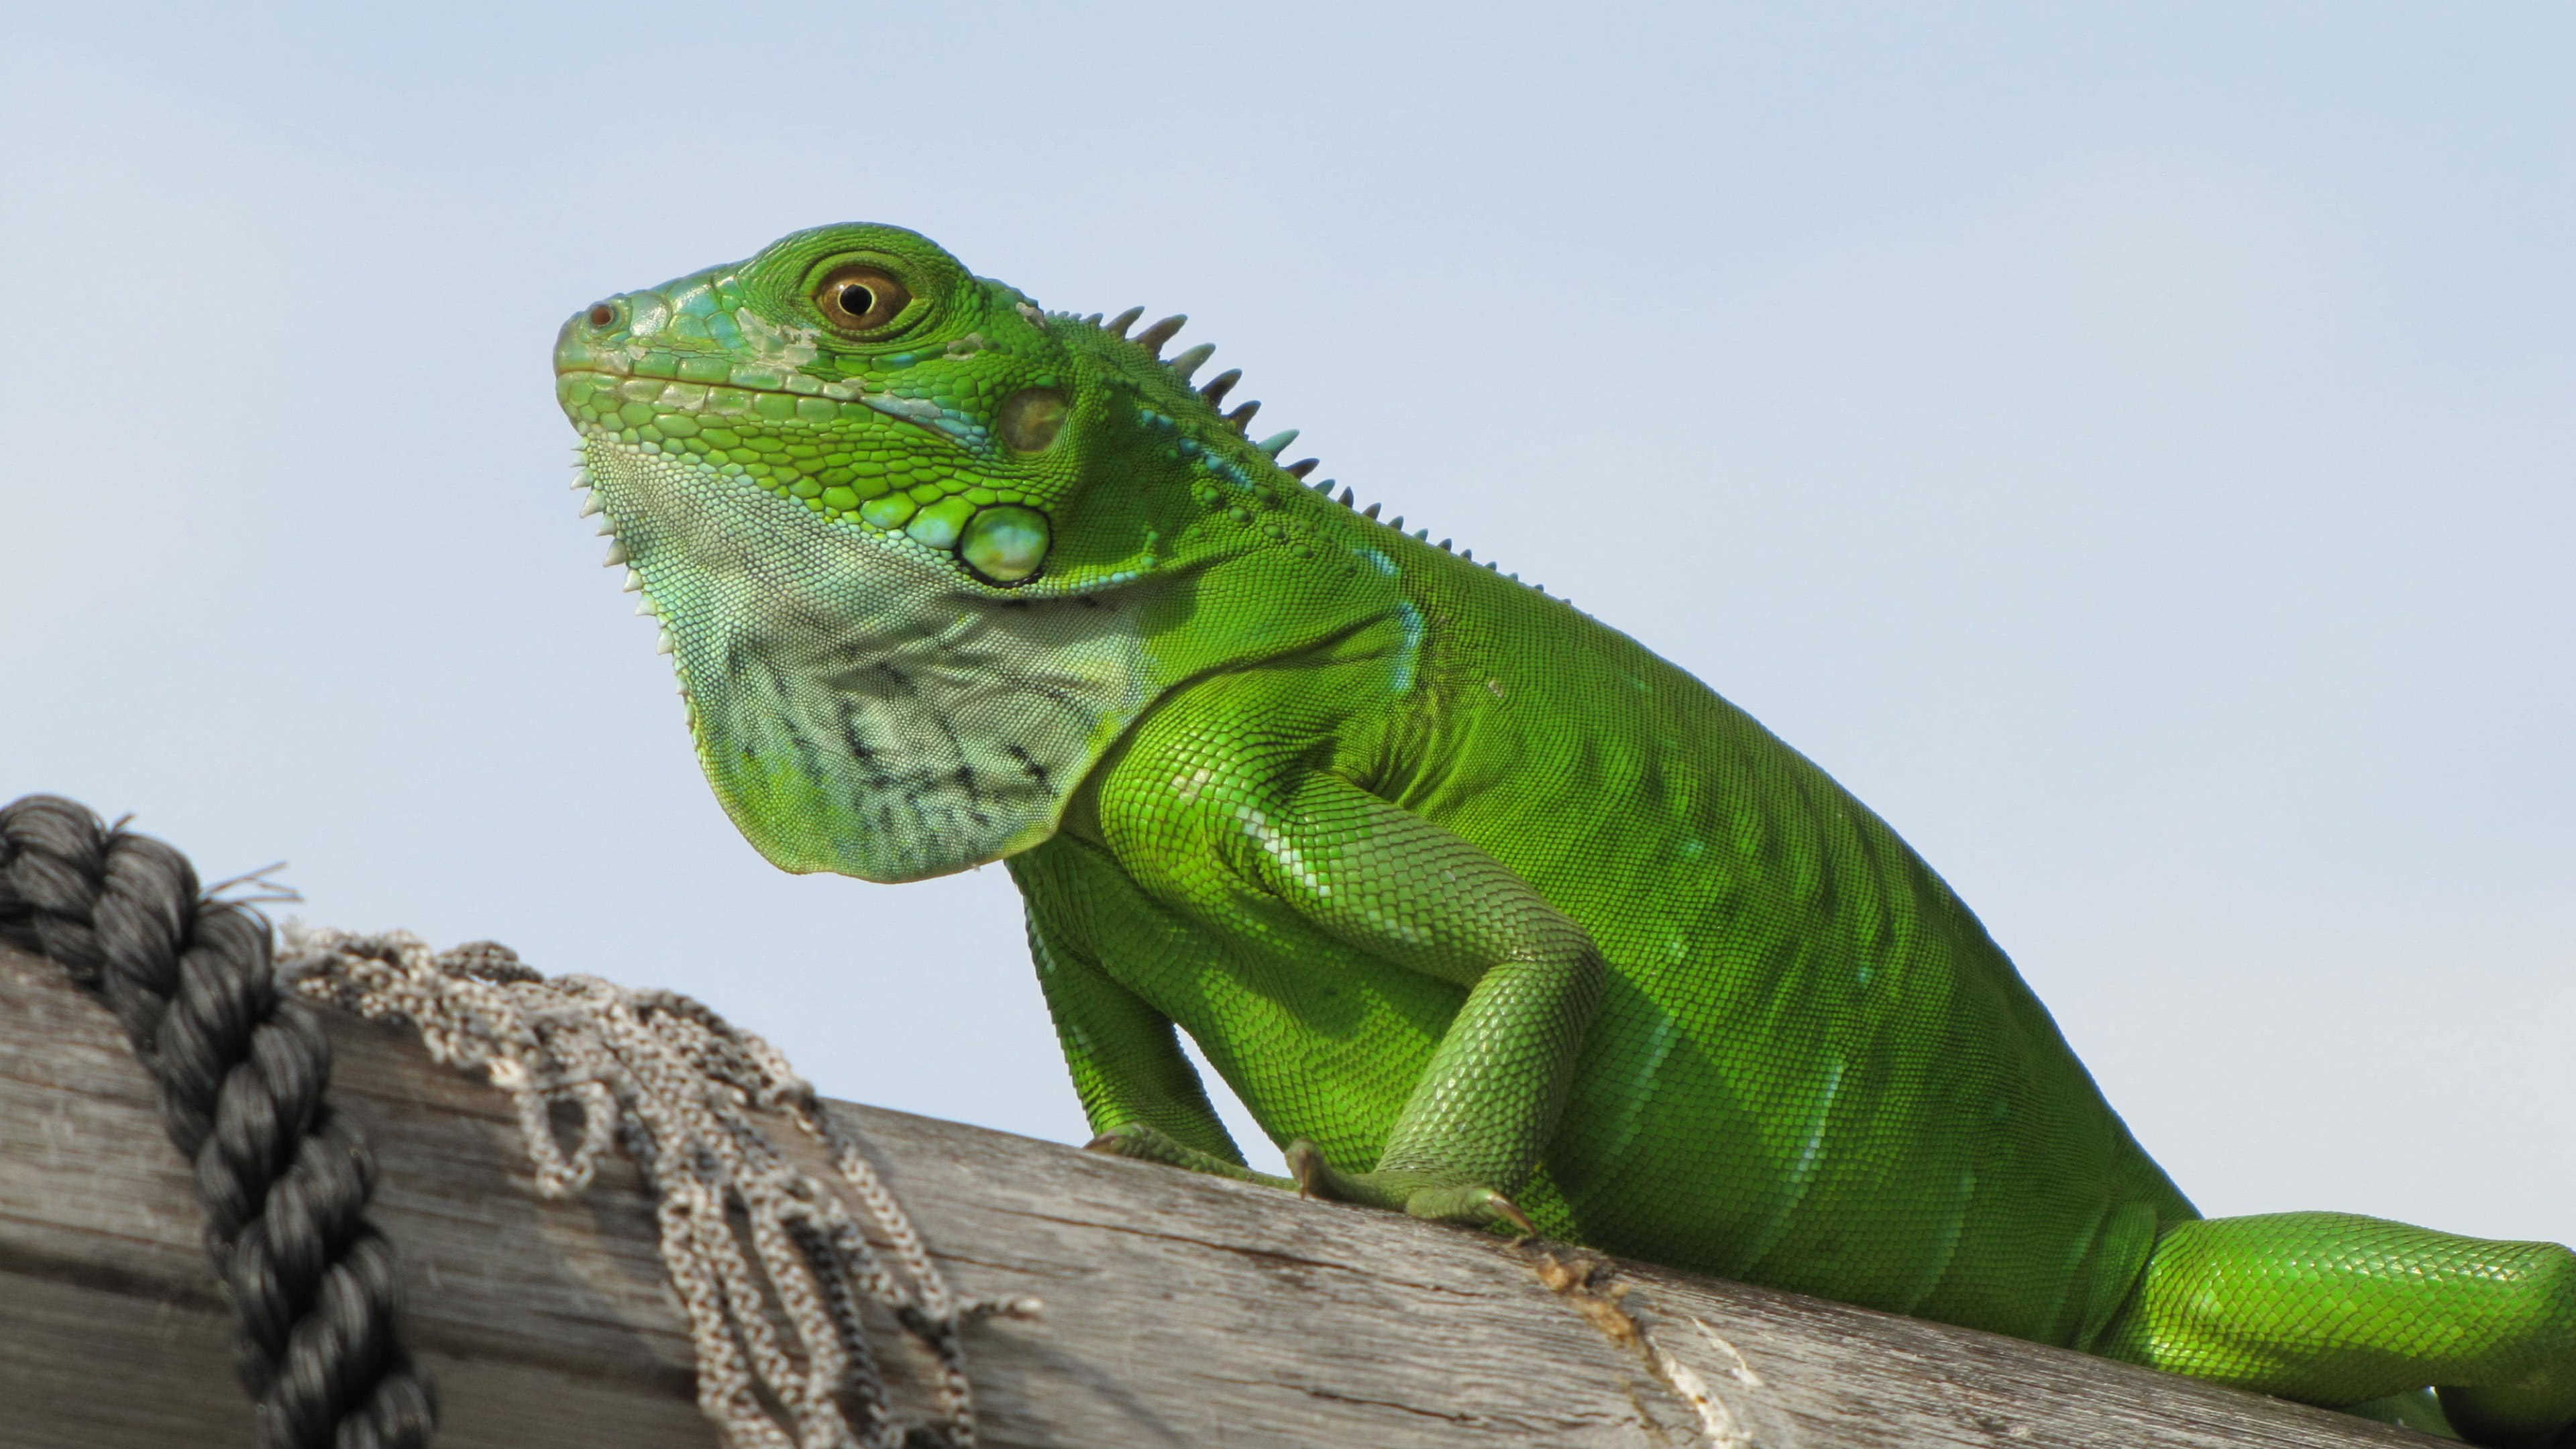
(1488,914)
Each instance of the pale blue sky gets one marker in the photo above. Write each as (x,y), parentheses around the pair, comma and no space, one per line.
(2129,446)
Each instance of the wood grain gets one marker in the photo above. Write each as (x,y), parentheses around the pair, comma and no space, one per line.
(1180,1310)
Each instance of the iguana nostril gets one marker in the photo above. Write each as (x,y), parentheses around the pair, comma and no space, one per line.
(603,316)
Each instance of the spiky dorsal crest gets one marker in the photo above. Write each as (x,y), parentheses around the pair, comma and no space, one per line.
(1187,363)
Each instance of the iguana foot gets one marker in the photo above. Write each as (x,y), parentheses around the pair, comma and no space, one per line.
(1145,1144)
(1432,1195)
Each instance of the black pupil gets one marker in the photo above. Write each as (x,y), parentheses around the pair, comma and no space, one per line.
(856,300)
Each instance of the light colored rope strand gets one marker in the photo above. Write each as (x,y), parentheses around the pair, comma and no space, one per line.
(657,1075)
(956,1395)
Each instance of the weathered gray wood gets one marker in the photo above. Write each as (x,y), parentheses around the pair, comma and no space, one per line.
(1180,1309)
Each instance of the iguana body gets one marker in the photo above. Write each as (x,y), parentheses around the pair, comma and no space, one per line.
(1485,911)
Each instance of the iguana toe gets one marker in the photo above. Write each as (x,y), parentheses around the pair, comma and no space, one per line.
(1429,1195)
(1133,1139)
(1481,1206)
(1145,1144)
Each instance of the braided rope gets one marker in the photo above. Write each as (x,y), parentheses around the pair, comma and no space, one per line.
(750,1241)
(242,1073)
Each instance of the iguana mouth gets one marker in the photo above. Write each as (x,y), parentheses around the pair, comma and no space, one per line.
(830,403)
(771,386)
(737,378)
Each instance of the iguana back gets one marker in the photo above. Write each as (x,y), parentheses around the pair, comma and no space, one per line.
(1811,1066)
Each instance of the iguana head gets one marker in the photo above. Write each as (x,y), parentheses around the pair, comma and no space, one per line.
(920,549)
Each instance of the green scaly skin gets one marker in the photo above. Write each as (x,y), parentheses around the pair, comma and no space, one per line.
(1488,914)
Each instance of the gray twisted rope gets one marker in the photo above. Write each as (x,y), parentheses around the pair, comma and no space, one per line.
(242,1073)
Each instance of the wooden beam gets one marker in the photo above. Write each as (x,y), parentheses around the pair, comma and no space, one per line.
(1180,1310)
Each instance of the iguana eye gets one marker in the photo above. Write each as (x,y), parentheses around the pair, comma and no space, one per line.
(860,299)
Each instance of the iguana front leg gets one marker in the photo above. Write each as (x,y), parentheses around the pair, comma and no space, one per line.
(1141,1096)
(1229,826)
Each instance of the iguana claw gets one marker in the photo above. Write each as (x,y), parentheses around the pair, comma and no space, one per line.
(1510,1212)
(1306,1164)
